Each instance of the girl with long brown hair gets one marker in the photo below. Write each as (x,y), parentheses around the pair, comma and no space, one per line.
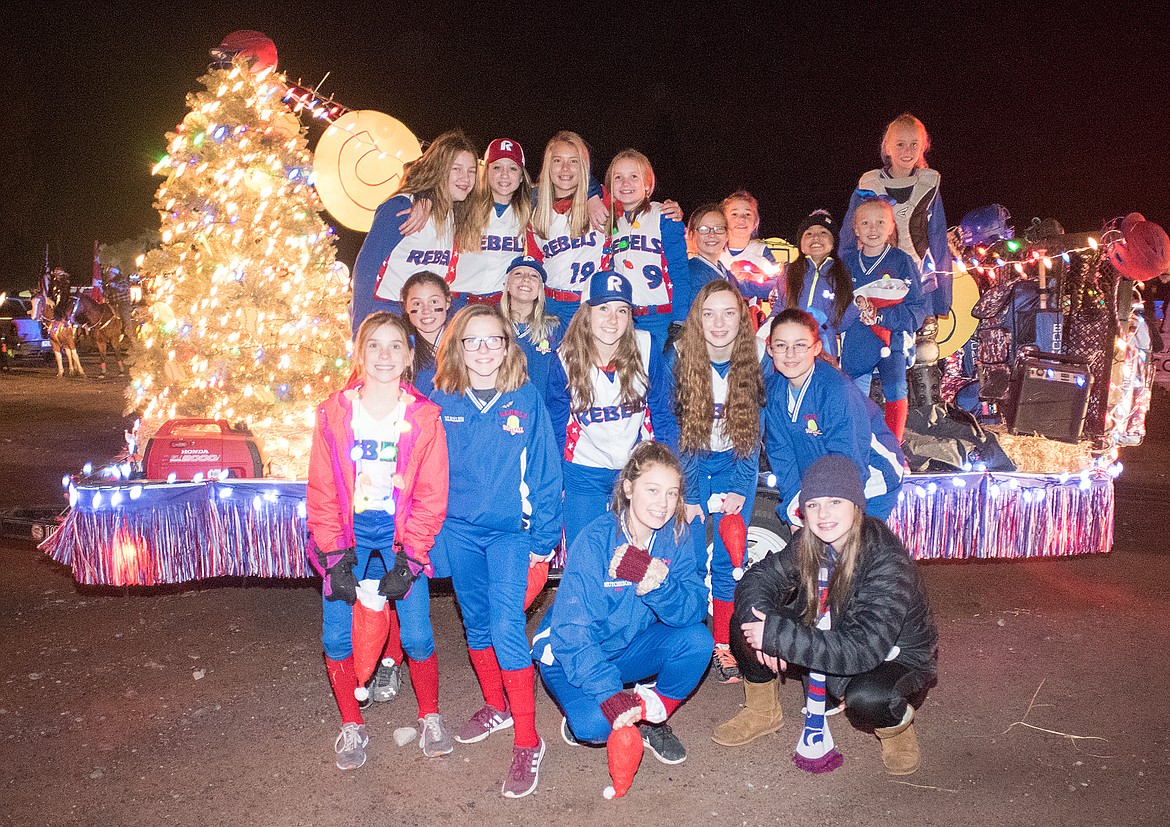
(718,396)
(445,175)
(608,389)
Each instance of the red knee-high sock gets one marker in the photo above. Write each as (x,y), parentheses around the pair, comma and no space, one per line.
(343,681)
(896,416)
(424,677)
(487,670)
(521,684)
(721,611)
(393,648)
(670,703)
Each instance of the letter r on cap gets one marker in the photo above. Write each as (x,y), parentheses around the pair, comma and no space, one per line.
(614,284)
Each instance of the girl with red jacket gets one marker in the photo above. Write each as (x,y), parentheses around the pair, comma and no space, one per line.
(376,497)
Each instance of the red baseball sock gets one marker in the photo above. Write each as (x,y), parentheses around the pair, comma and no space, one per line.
(424,677)
(521,684)
(343,681)
(670,703)
(393,648)
(896,416)
(721,611)
(487,670)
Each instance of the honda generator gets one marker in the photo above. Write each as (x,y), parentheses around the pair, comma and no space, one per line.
(186,447)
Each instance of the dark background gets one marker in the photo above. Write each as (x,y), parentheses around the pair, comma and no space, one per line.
(1052,111)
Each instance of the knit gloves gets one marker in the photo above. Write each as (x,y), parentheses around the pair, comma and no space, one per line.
(397,581)
(636,565)
(339,581)
(622,709)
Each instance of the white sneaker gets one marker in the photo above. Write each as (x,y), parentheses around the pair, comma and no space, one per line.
(351,746)
(433,737)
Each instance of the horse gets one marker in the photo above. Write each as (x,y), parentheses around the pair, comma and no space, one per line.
(62,334)
(104,324)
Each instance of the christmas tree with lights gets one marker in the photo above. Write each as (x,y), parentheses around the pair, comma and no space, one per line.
(248,313)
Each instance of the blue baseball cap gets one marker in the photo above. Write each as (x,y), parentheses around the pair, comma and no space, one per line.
(608,286)
(529,261)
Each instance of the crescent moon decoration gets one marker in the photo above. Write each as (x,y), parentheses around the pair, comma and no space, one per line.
(358,164)
(954,330)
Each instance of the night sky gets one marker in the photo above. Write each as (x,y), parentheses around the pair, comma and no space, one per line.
(1051,112)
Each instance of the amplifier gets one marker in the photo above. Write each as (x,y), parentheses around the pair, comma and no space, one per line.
(1048,396)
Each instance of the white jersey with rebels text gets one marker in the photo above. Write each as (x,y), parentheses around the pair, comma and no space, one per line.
(603,435)
(568,261)
(482,271)
(638,254)
(428,249)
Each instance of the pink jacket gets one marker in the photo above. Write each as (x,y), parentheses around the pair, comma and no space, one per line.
(421,504)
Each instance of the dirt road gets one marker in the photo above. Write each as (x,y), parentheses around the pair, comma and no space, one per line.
(208,704)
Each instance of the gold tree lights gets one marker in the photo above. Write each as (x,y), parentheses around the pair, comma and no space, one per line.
(248,316)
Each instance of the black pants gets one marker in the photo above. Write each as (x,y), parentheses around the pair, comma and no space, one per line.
(876,698)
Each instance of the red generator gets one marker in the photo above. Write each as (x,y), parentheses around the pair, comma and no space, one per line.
(186,447)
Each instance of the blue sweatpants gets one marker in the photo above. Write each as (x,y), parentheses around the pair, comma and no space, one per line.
(375,530)
(891,371)
(678,656)
(717,472)
(588,492)
(489,570)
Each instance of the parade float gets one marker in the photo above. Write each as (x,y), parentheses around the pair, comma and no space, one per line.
(1039,375)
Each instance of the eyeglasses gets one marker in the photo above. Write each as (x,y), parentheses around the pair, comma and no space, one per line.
(472,343)
(798,349)
(705,230)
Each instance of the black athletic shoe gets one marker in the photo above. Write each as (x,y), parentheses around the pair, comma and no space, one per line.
(663,743)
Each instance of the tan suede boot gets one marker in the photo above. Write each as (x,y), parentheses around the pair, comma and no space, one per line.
(900,745)
(761,716)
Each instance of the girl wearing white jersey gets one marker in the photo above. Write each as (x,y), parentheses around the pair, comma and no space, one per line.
(646,246)
(444,174)
(607,390)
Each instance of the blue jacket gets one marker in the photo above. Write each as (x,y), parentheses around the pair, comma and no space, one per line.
(507,475)
(831,416)
(595,617)
(860,347)
(540,355)
(818,298)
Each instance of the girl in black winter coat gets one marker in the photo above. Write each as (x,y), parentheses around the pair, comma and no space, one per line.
(879,648)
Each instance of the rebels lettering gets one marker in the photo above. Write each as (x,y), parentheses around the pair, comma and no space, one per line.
(609,413)
(507,244)
(425,257)
(649,245)
(563,244)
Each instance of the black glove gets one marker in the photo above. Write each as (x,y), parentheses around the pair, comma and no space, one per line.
(397,581)
(340,582)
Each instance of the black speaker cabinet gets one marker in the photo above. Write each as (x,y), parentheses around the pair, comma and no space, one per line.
(1049,395)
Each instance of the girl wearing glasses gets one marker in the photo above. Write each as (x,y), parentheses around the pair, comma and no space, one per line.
(813,409)
(718,393)
(647,247)
(707,238)
(608,390)
(503,515)
(426,299)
